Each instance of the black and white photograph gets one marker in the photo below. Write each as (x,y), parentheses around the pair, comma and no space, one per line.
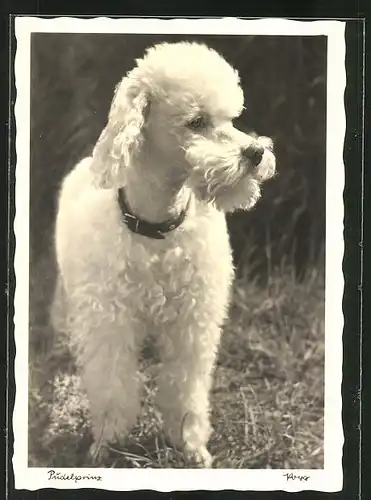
(179,245)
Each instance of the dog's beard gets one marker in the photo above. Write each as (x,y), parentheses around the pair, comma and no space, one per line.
(220,176)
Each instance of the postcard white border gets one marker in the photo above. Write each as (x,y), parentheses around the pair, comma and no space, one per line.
(331,477)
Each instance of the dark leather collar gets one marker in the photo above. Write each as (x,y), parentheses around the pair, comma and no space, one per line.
(150,229)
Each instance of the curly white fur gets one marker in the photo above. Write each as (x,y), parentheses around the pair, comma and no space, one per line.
(169,137)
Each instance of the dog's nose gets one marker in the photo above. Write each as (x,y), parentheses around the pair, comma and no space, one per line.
(254,153)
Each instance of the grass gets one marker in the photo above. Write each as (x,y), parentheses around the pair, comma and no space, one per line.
(267,399)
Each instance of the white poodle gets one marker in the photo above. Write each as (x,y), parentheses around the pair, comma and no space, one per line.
(142,243)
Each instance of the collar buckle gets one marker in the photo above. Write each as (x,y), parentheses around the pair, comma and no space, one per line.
(131,221)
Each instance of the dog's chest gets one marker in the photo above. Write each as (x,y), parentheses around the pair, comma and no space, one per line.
(194,261)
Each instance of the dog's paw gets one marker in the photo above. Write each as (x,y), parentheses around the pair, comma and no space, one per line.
(97,454)
(199,457)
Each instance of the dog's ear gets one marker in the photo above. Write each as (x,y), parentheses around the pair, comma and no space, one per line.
(122,137)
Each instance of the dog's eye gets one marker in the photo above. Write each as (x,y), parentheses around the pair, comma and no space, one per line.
(197,123)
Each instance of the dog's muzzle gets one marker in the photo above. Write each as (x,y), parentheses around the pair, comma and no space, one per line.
(225,163)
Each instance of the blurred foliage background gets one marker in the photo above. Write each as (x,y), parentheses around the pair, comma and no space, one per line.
(284,79)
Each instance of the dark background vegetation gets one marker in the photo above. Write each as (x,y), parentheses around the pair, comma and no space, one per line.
(268,395)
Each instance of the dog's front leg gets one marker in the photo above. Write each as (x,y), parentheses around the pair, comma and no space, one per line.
(188,356)
(105,343)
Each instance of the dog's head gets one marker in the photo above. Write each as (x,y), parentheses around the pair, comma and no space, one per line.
(177,107)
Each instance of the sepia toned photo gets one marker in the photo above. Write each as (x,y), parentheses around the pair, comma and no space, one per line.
(179,249)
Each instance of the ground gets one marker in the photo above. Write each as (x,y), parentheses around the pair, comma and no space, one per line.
(267,398)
